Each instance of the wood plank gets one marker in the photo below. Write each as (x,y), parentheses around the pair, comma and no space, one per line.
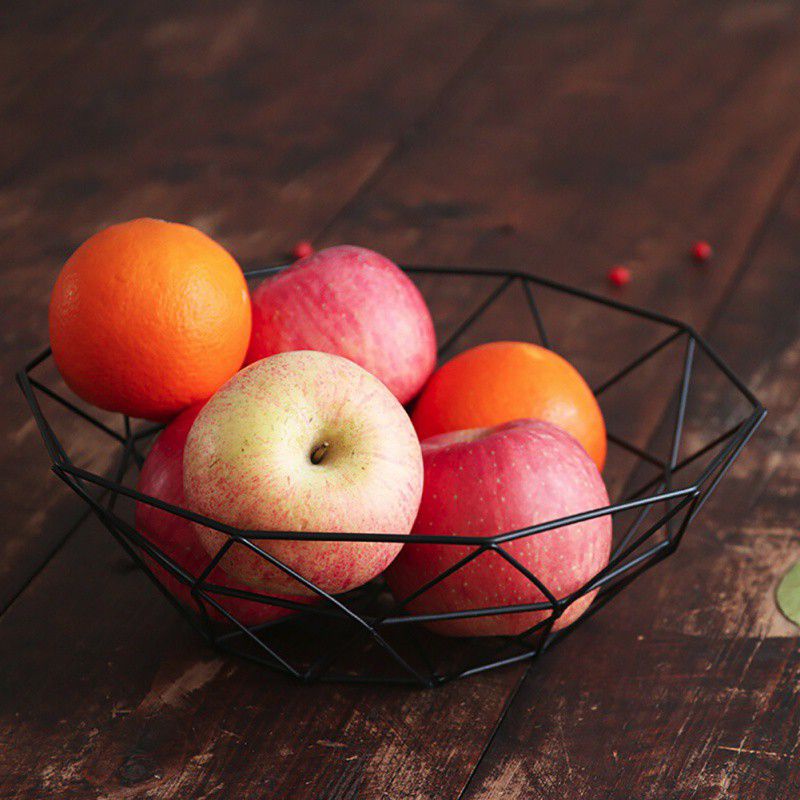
(703,703)
(714,721)
(442,215)
(212,114)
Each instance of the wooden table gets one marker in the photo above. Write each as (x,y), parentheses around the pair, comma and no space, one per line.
(558,137)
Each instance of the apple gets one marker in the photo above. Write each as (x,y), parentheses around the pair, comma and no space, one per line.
(162,477)
(351,302)
(304,441)
(489,481)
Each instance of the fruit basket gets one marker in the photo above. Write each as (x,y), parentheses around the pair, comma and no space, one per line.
(653,376)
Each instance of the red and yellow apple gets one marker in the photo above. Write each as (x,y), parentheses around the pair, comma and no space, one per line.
(489,481)
(304,441)
(351,302)
(162,477)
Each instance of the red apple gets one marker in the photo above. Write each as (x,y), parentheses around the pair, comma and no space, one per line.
(162,477)
(351,302)
(489,481)
(305,441)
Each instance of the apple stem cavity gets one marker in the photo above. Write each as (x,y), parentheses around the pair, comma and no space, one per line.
(318,453)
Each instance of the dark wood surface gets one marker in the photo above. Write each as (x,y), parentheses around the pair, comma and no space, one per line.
(556,137)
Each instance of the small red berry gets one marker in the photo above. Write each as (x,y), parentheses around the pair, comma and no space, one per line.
(619,276)
(302,249)
(701,252)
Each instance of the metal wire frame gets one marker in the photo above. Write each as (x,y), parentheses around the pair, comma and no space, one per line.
(356,617)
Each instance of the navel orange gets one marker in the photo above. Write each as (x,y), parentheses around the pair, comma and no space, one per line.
(502,381)
(148,317)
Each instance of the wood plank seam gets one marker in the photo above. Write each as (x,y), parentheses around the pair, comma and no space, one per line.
(411,131)
(759,234)
(83,515)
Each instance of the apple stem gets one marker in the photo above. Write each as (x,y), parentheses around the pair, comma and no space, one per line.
(318,453)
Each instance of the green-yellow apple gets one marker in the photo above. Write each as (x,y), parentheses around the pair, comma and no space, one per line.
(490,481)
(352,302)
(304,441)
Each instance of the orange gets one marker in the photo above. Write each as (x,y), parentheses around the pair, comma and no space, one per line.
(148,317)
(502,381)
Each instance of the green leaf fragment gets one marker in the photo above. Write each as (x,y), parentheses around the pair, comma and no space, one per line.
(788,594)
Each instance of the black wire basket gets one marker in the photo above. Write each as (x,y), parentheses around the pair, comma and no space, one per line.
(367,635)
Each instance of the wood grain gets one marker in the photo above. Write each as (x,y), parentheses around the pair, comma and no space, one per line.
(544,147)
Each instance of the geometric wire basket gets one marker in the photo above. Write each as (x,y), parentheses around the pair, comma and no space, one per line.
(367,635)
